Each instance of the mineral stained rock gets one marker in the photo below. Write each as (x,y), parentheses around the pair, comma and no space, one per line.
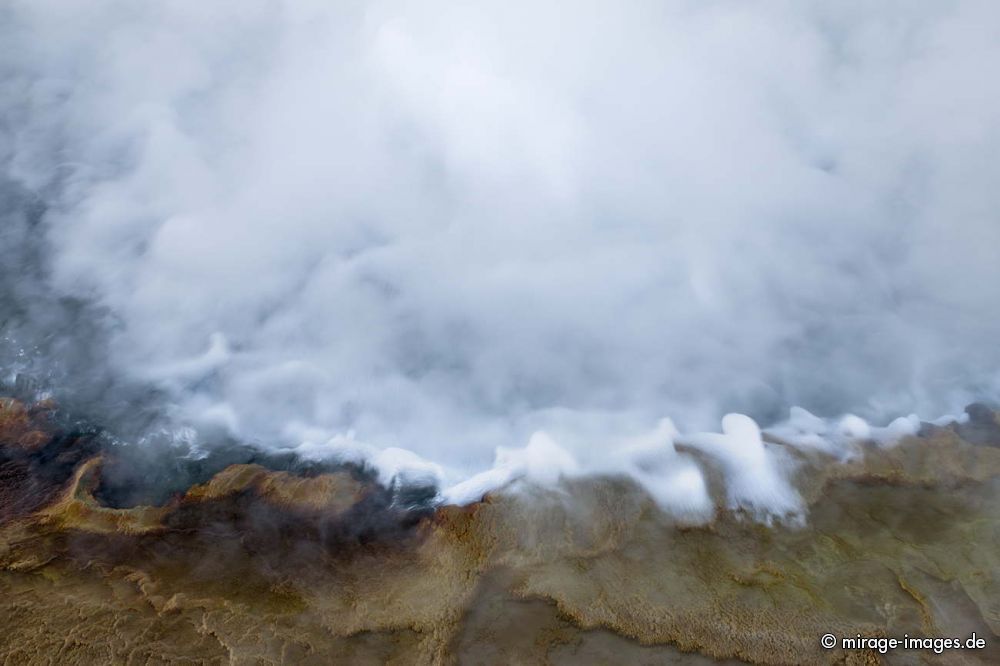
(256,566)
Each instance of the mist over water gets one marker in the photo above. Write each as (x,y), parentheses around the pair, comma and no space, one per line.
(394,229)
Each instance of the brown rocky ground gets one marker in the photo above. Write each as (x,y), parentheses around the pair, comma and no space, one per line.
(264,567)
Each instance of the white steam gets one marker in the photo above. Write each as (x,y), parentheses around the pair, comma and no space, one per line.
(442,228)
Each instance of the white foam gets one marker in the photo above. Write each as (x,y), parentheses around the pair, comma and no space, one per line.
(541,461)
(904,426)
(756,476)
(754,480)
(853,428)
(808,431)
(404,467)
(673,480)
(835,436)
(394,466)
(477,486)
(948,419)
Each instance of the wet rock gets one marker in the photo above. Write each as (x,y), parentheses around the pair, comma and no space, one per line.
(983,426)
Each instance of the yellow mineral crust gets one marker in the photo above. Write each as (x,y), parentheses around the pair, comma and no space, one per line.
(334,492)
(261,567)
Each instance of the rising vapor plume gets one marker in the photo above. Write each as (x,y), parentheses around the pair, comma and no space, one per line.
(411,233)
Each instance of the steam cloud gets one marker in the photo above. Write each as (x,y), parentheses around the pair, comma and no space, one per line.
(413,232)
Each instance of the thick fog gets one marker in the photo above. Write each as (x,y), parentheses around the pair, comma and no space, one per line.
(357,227)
